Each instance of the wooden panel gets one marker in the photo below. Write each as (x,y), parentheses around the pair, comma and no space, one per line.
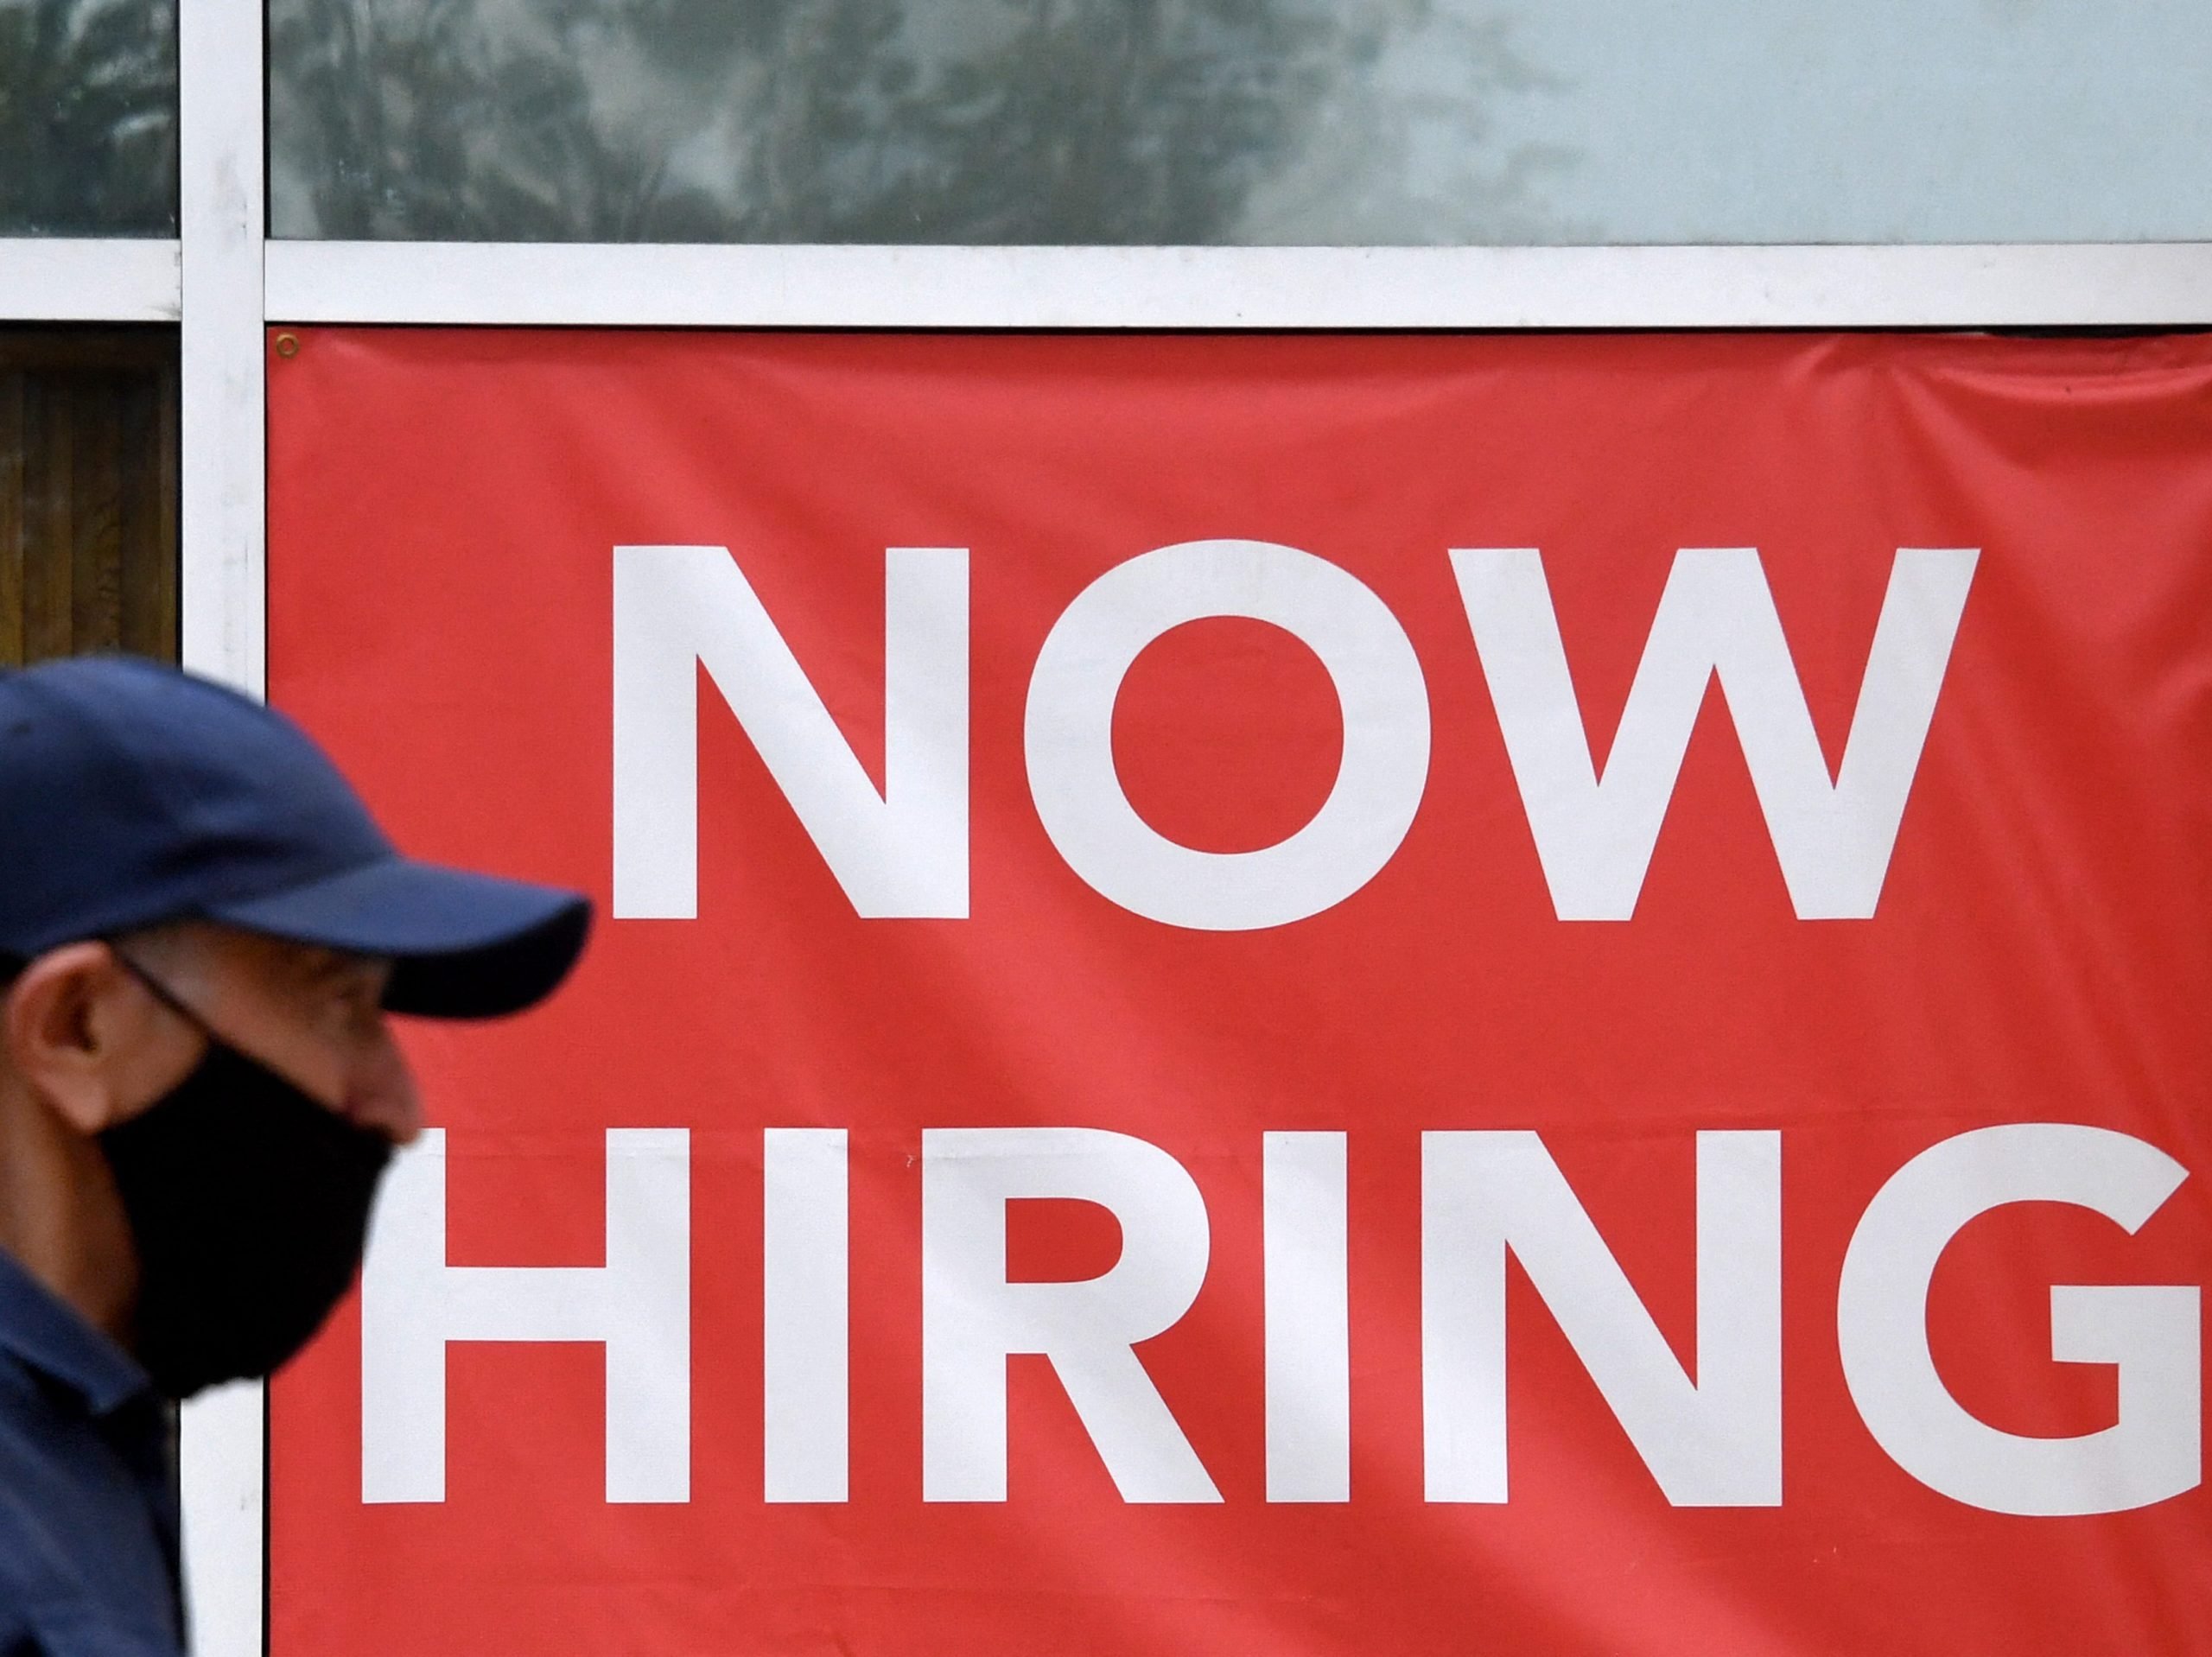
(150,599)
(88,484)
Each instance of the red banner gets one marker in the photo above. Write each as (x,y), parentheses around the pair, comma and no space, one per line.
(1532,995)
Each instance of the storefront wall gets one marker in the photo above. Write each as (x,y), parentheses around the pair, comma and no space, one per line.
(95,435)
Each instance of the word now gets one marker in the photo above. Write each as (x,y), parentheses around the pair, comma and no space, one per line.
(904,851)
(1714,1442)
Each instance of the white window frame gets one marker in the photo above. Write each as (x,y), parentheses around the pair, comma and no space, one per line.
(225,287)
(67,279)
(643,285)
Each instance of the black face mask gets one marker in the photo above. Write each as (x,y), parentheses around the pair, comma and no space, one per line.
(249,1202)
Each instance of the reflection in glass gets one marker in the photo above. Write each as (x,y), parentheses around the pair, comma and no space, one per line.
(966,121)
(1278,122)
(87,117)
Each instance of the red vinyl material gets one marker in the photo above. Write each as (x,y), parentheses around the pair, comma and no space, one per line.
(444,509)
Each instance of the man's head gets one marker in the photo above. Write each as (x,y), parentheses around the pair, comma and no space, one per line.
(201,931)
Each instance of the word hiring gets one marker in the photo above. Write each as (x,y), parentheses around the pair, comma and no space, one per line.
(1713,1442)
(904,851)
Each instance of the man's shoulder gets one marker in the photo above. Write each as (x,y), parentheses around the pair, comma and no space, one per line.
(81,1568)
(50,1609)
(66,1632)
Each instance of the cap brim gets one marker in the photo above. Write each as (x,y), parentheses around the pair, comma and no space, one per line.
(463,945)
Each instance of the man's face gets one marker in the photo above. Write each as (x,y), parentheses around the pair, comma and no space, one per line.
(314,1016)
(87,1043)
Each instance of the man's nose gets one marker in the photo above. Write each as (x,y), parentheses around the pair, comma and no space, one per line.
(381,1093)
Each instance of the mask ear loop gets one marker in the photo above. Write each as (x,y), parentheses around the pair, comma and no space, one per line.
(214,1037)
(161,993)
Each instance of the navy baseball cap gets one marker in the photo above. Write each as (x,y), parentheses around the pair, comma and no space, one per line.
(132,794)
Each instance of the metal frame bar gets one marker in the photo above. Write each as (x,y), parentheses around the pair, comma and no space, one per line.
(658,286)
(60,279)
(2051,285)
(220,134)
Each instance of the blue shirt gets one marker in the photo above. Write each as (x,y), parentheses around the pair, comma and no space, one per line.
(88,1512)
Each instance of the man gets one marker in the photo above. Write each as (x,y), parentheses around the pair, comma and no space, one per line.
(201,931)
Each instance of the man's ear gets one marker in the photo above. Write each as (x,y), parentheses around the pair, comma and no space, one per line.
(76,1025)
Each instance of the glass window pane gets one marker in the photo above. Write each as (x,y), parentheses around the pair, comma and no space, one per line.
(87,117)
(88,492)
(1283,121)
